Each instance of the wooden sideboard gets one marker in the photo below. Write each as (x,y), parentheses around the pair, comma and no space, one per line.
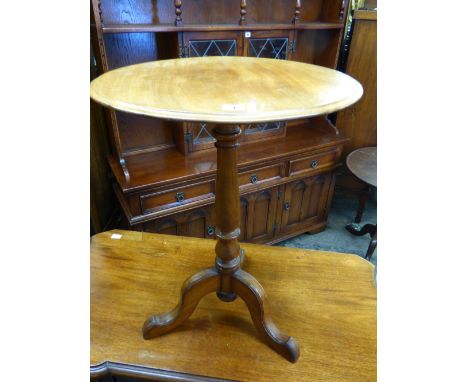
(164,171)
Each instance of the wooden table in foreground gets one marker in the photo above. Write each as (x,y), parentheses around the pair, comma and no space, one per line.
(324,299)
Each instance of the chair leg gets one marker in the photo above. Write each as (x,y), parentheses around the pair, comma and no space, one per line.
(362,203)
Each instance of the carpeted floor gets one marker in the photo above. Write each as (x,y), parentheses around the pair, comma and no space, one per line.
(335,237)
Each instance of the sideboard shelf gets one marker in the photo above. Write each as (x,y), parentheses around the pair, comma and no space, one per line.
(139,28)
(158,168)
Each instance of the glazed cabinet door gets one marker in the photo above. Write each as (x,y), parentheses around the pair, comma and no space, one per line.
(201,44)
(196,223)
(258,211)
(276,44)
(305,202)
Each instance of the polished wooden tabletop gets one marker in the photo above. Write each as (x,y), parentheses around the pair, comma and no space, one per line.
(363,164)
(226,89)
(327,301)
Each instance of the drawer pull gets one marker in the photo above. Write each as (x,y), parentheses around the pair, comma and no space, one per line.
(313,163)
(253,179)
(179,197)
(286,206)
(210,230)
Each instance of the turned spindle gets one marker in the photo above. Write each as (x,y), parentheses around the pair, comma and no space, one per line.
(243,12)
(178,12)
(297,12)
(342,10)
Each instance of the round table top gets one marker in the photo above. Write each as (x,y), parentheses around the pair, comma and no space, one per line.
(226,89)
(363,164)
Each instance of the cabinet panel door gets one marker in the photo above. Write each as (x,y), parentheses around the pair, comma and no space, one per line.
(244,215)
(264,211)
(268,44)
(305,202)
(196,223)
(202,44)
(277,44)
(258,211)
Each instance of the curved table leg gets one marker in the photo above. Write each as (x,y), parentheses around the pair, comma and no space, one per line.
(356,230)
(250,290)
(371,229)
(193,290)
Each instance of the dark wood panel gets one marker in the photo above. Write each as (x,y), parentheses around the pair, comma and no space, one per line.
(130,48)
(210,11)
(318,47)
(310,10)
(138,133)
(137,11)
(359,122)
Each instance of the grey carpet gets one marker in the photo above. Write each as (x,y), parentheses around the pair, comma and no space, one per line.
(335,237)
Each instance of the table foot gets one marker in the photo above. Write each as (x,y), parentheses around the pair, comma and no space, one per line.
(250,290)
(356,230)
(193,290)
(370,229)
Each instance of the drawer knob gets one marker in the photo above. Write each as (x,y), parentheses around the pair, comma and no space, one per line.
(253,179)
(313,163)
(210,230)
(180,197)
(286,206)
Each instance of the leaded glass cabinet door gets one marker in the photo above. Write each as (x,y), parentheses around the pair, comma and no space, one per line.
(201,44)
(279,45)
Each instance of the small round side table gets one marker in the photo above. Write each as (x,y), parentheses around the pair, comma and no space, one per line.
(226,91)
(363,165)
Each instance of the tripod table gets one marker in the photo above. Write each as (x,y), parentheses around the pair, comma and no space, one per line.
(226,91)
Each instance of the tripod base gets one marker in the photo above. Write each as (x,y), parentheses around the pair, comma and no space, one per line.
(243,285)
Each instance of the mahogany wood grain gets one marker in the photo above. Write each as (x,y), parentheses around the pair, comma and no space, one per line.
(327,301)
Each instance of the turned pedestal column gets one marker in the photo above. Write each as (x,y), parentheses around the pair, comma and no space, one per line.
(226,278)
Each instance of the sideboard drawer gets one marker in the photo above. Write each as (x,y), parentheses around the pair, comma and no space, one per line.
(177,196)
(261,175)
(311,163)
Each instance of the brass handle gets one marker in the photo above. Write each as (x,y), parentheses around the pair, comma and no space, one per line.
(210,230)
(253,179)
(286,206)
(313,163)
(180,197)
